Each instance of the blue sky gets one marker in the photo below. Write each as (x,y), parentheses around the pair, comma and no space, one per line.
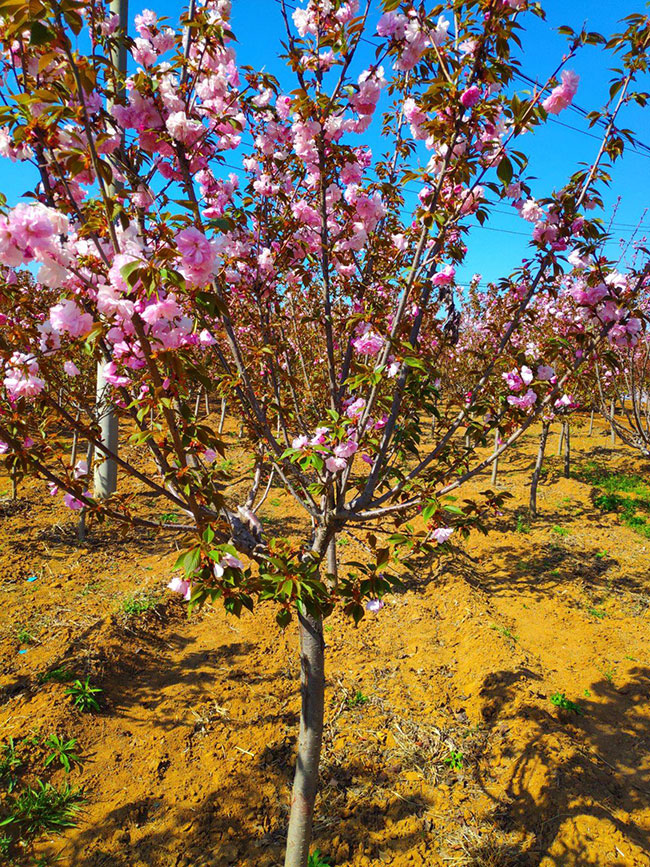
(555,151)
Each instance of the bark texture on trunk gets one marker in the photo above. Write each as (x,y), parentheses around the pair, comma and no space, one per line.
(495,462)
(538,468)
(305,783)
(560,441)
(591,424)
(567,450)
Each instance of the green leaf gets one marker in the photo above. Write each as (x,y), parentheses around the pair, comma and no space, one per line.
(504,171)
(40,34)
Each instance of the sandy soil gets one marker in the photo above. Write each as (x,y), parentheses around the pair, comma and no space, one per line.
(190,760)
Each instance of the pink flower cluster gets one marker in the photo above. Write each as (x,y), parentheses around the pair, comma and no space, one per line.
(561,96)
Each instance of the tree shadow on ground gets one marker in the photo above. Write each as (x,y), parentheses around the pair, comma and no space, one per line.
(572,768)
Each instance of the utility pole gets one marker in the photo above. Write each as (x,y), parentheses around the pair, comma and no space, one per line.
(105,470)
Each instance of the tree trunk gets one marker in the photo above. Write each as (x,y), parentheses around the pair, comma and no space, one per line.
(612,413)
(197,404)
(591,424)
(222,417)
(495,462)
(538,468)
(567,450)
(305,783)
(560,441)
(332,564)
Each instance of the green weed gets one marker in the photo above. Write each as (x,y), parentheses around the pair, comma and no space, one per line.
(83,695)
(560,531)
(10,763)
(455,760)
(507,633)
(356,700)
(597,612)
(317,860)
(56,675)
(522,526)
(560,700)
(139,603)
(44,808)
(64,751)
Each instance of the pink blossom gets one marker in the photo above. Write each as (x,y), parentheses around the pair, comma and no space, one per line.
(445,276)
(374,605)
(370,343)
(71,368)
(531,211)
(197,255)
(72,502)
(545,373)
(300,442)
(355,408)
(562,95)
(442,534)
(346,449)
(182,129)
(523,401)
(180,585)
(67,318)
(335,465)
(470,97)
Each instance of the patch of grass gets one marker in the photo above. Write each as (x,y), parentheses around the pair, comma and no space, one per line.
(317,860)
(24,636)
(356,700)
(10,764)
(560,531)
(64,751)
(522,526)
(169,518)
(136,604)
(503,630)
(44,808)
(83,695)
(455,760)
(597,612)
(560,700)
(55,675)
(632,509)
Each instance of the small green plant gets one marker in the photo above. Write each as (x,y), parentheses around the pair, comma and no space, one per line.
(597,612)
(317,860)
(587,693)
(64,751)
(559,531)
(601,555)
(55,675)
(45,808)
(83,695)
(169,518)
(10,762)
(522,526)
(24,636)
(554,572)
(560,700)
(608,674)
(455,760)
(136,604)
(275,502)
(356,700)
(503,630)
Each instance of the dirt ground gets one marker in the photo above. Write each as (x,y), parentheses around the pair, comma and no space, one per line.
(443,746)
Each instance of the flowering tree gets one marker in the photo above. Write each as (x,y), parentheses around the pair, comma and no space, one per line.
(307,294)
